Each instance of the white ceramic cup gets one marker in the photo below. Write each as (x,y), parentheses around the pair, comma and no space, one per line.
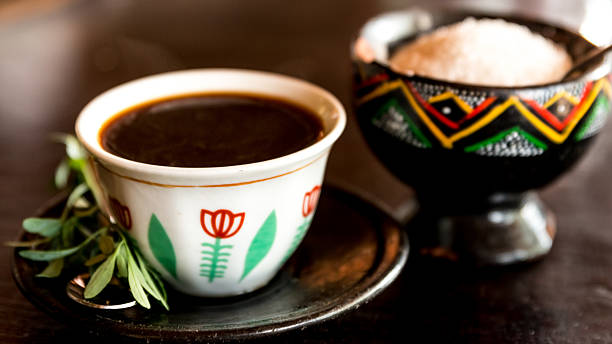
(217,231)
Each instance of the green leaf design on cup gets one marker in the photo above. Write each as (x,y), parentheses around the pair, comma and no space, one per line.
(261,244)
(161,246)
(297,239)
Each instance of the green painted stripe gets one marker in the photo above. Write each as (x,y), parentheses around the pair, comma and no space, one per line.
(384,109)
(415,130)
(492,139)
(411,125)
(532,139)
(503,134)
(601,102)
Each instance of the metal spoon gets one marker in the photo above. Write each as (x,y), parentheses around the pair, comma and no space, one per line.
(587,62)
(76,288)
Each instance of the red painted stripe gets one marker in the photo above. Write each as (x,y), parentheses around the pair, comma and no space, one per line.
(485,104)
(549,117)
(374,80)
(587,89)
(552,119)
(431,109)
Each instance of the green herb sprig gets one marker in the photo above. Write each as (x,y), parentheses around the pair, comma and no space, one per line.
(83,238)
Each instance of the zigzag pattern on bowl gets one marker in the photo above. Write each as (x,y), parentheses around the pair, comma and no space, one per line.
(520,123)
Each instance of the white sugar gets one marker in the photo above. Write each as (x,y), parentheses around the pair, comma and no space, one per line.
(489,52)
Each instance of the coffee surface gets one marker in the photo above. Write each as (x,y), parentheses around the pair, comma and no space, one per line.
(210,131)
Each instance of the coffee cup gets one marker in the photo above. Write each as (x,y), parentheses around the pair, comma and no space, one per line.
(213,231)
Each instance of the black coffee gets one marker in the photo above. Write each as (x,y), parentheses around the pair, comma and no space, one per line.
(210,130)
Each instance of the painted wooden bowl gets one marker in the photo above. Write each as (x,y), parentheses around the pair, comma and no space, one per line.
(468,149)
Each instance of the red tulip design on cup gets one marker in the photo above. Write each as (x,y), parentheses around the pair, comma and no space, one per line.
(220,224)
(311,198)
(121,213)
(309,204)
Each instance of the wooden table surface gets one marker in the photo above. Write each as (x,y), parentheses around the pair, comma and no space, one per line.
(56,55)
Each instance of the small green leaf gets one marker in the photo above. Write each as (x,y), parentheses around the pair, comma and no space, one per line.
(95,259)
(82,203)
(90,178)
(83,229)
(149,284)
(101,277)
(30,243)
(68,231)
(106,243)
(77,165)
(42,226)
(261,244)
(135,281)
(52,270)
(121,261)
(41,255)
(78,191)
(86,212)
(61,174)
(160,285)
(74,150)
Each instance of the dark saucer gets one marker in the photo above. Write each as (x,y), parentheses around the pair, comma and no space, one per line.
(351,253)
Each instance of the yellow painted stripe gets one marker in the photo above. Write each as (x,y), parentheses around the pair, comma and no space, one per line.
(540,125)
(582,111)
(390,86)
(549,132)
(494,113)
(380,90)
(432,127)
(559,95)
(448,94)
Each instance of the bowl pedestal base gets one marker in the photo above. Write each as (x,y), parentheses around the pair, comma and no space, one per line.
(514,228)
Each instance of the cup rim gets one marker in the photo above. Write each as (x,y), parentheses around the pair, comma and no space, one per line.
(94,147)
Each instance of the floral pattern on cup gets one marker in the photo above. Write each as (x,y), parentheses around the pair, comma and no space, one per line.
(310,200)
(220,224)
(121,212)
(309,204)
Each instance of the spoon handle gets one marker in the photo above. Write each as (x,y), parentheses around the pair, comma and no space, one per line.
(587,61)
